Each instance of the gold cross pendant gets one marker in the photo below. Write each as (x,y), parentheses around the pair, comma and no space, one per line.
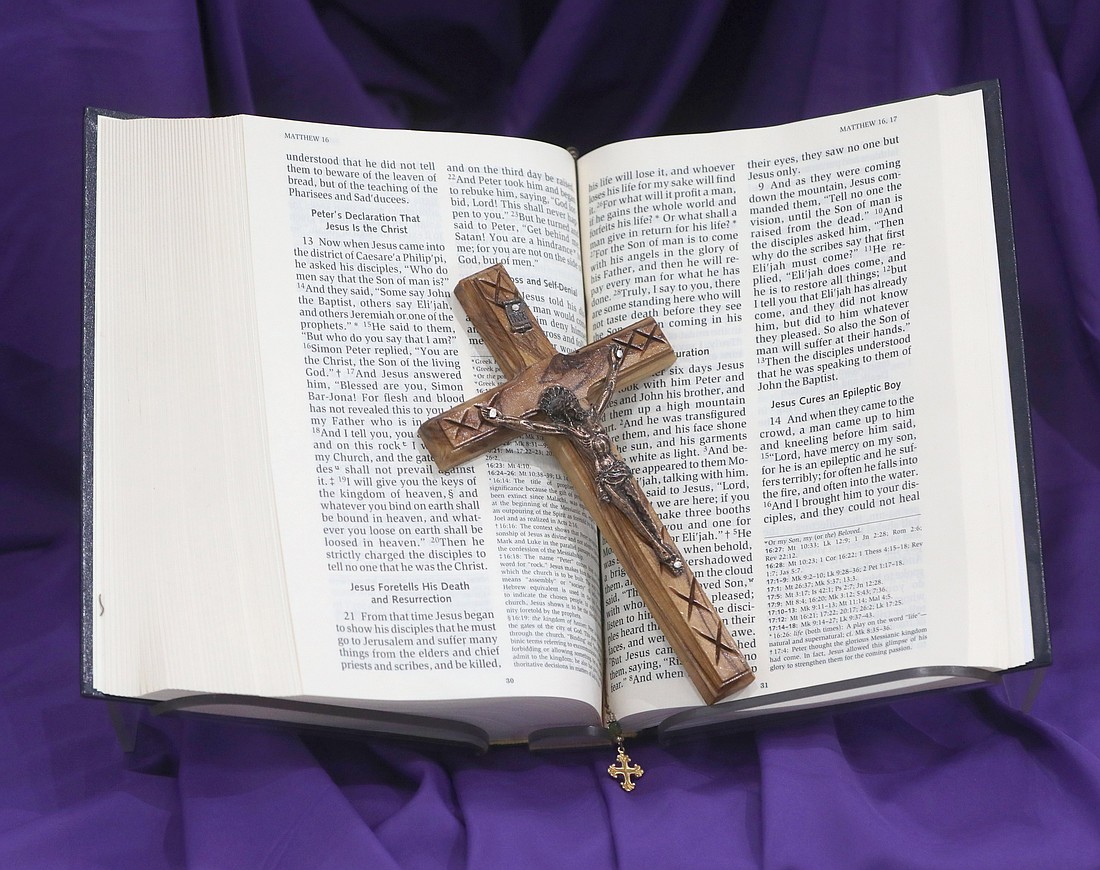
(625,771)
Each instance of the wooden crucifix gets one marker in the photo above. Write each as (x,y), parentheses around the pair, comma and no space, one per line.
(563,396)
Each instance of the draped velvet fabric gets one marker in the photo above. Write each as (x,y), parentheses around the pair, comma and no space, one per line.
(947,781)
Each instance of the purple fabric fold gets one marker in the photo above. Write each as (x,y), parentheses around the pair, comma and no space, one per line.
(956,780)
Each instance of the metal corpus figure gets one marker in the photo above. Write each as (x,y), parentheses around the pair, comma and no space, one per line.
(615,483)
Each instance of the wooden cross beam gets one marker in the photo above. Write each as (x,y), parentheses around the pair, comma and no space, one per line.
(563,396)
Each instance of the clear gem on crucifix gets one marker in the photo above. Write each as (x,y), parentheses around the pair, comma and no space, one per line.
(563,397)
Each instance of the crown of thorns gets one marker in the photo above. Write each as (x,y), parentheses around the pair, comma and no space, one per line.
(560,403)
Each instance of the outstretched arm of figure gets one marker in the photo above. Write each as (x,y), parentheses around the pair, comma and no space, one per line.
(615,362)
(492,415)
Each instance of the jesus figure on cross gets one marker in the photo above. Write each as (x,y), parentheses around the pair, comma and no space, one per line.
(615,483)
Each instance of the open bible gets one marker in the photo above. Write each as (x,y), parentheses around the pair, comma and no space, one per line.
(841,451)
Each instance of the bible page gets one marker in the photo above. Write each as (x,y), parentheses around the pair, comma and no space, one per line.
(182,520)
(833,450)
(409,585)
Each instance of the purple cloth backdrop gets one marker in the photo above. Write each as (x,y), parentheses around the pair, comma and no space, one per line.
(962,781)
